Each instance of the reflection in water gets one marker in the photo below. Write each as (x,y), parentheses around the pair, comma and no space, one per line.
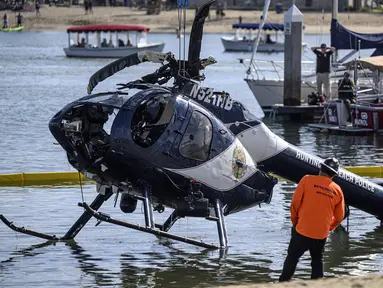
(345,251)
(290,133)
(189,270)
(173,267)
(88,264)
(26,252)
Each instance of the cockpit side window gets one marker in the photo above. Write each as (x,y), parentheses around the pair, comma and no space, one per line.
(150,120)
(195,143)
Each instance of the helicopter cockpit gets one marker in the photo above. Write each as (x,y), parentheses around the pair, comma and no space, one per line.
(84,127)
(150,120)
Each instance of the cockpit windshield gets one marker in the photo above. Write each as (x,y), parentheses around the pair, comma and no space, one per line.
(115,100)
(195,143)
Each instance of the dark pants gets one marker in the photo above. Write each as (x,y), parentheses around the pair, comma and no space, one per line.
(299,244)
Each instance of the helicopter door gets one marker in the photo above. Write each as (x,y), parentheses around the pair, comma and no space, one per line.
(194,142)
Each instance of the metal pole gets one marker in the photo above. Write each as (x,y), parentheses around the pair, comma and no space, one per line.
(147,207)
(220,224)
(260,27)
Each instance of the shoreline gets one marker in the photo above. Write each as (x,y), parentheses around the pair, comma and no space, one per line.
(368,281)
(60,18)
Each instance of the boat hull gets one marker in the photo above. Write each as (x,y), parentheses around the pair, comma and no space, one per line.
(365,118)
(247,46)
(12,29)
(110,52)
(270,92)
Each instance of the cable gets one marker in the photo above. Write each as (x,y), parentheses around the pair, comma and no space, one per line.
(82,192)
(171,181)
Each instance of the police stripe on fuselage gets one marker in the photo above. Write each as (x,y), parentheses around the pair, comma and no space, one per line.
(273,154)
(218,172)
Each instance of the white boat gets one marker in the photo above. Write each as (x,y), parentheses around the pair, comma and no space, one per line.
(269,90)
(244,38)
(123,41)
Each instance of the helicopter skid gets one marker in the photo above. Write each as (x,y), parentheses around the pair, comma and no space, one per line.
(73,231)
(150,227)
(106,218)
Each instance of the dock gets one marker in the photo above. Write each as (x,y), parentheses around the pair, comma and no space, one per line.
(303,112)
(343,130)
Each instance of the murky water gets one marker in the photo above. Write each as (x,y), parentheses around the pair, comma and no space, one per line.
(36,80)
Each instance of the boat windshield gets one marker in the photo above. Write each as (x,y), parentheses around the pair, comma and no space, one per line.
(268,37)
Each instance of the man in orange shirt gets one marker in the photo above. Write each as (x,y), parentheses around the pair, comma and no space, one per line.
(317,207)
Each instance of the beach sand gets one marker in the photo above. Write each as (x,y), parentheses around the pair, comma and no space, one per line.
(370,281)
(60,18)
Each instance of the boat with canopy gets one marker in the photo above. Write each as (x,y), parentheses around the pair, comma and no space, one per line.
(245,34)
(108,41)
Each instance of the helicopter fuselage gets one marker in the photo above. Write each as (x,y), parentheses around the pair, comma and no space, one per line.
(165,140)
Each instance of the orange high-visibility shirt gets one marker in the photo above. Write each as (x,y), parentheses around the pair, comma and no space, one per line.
(317,206)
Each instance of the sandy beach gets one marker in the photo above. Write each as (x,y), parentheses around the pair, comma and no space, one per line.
(371,281)
(60,18)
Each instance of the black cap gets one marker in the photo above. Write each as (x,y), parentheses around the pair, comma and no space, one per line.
(331,164)
(323,45)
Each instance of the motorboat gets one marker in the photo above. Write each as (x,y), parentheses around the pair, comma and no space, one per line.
(245,35)
(366,115)
(124,40)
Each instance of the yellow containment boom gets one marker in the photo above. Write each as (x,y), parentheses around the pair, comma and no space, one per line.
(72,178)
(41,178)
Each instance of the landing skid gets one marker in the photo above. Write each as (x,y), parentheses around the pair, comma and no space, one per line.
(76,227)
(150,227)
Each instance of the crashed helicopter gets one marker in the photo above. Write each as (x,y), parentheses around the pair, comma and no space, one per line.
(190,148)
(163,148)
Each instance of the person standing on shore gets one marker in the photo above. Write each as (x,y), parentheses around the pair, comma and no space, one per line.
(317,207)
(5,18)
(19,20)
(38,9)
(323,68)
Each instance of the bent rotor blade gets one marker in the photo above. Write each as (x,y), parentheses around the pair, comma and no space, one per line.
(122,63)
(196,38)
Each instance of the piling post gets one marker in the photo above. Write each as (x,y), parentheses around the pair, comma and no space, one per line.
(293,56)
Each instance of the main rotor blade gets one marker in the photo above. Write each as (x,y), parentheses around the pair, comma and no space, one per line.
(196,38)
(122,63)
